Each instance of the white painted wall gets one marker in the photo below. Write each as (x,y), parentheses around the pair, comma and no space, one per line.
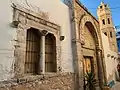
(111,63)
(58,13)
(7,35)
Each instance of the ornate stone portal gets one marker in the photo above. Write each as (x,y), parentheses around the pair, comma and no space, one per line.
(27,20)
(87,47)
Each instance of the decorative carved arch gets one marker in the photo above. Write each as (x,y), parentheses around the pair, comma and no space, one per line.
(85,19)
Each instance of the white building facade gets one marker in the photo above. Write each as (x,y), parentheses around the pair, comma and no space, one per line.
(55,44)
(57,14)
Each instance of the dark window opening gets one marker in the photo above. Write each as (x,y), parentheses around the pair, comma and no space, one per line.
(32,51)
(50,53)
(101,7)
(110,34)
(103,21)
(105,5)
(108,20)
(105,33)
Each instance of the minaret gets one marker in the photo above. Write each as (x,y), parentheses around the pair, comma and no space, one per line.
(106,25)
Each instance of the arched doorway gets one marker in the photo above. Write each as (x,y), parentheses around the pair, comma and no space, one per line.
(50,53)
(32,51)
(89,47)
(89,50)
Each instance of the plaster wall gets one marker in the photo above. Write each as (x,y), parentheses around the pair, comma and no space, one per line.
(110,60)
(7,37)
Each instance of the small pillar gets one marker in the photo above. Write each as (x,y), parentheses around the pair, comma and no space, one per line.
(42,56)
(41,69)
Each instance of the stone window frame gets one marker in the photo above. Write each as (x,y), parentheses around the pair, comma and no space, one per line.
(24,19)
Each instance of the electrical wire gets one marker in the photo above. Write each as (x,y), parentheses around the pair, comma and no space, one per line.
(110,8)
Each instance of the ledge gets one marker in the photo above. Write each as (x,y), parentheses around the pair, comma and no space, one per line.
(34,16)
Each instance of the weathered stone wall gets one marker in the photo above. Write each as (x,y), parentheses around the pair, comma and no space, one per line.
(44,82)
(80,17)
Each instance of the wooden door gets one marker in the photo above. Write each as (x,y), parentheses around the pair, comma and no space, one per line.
(32,51)
(50,53)
(88,66)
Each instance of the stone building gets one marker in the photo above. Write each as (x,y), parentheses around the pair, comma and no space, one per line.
(106,25)
(49,45)
(109,43)
(86,43)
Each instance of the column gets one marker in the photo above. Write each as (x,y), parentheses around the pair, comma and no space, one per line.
(42,56)
(100,68)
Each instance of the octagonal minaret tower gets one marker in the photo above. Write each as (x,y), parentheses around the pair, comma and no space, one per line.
(106,25)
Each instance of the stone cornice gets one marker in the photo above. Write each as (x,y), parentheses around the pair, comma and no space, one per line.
(31,15)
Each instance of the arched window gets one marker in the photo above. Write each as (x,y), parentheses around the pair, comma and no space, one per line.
(32,51)
(33,42)
(108,20)
(111,34)
(50,53)
(103,21)
(105,33)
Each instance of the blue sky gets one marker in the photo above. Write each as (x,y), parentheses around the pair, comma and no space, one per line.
(114,5)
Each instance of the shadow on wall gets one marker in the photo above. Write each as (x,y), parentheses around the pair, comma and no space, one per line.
(117,76)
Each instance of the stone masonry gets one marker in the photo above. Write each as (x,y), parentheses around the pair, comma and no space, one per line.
(44,82)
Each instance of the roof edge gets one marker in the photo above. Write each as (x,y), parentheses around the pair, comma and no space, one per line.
(86,9)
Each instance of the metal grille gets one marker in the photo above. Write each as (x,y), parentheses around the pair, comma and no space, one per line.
(32,51)
(50,53)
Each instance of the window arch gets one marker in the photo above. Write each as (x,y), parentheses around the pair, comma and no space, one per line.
(50,53)
(103,21)
(108,20)
(32,51)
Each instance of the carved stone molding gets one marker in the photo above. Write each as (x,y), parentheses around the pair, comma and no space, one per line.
(25,16)
(108,55)
(29,20)
(15,24)
(44,32)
